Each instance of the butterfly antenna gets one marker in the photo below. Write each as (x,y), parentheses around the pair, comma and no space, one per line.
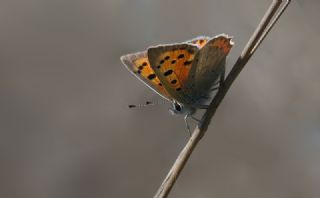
(149,103)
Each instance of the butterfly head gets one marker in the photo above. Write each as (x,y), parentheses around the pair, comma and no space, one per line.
(178,108)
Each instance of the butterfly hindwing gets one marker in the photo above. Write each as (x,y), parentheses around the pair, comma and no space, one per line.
(172,63)
(209,65)
(200,41)
(139,65)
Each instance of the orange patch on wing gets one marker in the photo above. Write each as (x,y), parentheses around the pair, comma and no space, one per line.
(175,66)
(200,42)
(142,67)
(223,43)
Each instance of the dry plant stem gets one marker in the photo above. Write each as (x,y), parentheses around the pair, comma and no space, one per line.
(258,36)
(276,18)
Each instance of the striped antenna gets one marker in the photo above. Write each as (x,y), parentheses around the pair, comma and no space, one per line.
(149,103)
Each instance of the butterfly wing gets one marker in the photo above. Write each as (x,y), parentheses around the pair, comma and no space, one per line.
(172,64)
(199,41)
(138,64)
(209,64)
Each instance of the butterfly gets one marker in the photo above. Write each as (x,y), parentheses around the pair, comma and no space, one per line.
(182,73)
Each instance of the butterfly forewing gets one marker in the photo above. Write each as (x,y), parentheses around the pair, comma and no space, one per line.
(172,63)
(139,65)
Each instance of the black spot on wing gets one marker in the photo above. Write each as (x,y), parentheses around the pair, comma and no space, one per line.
(173,61)
(142,65)
(186,63)
(181,56)
(151,76)
(168,72)
(174,81)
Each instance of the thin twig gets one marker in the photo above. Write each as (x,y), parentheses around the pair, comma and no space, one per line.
(257,37)
(276,18)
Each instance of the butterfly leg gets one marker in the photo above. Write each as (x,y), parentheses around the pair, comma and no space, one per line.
(186,121)
(203,106)
(196,119)
(215,88)
(187,124)
(217,82)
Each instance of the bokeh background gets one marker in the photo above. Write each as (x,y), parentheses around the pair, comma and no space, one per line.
(66,131)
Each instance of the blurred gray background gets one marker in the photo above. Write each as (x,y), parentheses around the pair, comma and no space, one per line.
(66,131)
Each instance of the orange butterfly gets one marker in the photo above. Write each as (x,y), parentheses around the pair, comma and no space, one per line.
(182,73)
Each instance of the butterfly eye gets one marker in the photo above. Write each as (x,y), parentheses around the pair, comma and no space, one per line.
(177,107)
